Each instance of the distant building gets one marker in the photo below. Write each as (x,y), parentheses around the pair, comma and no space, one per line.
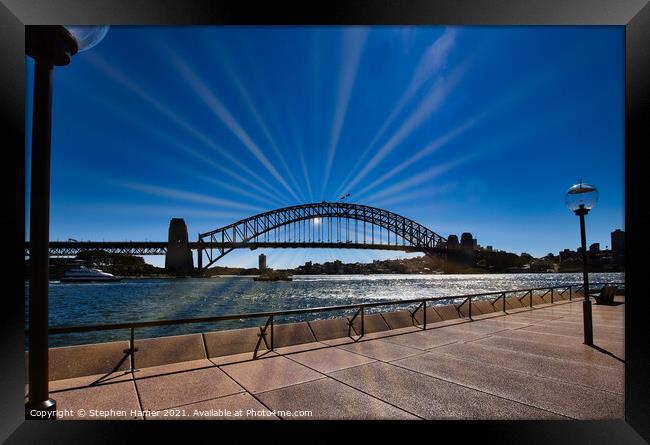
(579,250)
(488,248)
(452,242)
(474,243)
(466,241)
(594,248)
(262,262)
(567,254)
(618,242)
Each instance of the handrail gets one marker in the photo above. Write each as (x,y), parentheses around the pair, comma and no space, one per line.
(359,307)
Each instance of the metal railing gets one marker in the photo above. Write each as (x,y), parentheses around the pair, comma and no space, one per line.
(360,312)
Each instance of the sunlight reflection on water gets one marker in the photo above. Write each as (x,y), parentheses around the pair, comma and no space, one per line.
(154,299)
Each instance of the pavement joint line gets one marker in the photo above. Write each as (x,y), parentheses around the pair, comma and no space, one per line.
(175,372)
(497,347)
(287,386)
(579,362)
(420,352)
(482,391)
(292,384)
(242,391)
(357,389)
(249,392)
(91,386)
(537,375)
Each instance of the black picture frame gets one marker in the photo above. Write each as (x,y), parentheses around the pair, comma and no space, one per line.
(634,15)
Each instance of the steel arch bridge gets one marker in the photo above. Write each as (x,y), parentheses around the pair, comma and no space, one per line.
(325,224)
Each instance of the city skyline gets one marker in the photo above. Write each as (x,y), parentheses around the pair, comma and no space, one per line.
(462,129)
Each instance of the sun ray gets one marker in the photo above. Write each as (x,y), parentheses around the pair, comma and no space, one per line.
(440,90)
(353,44)
(517,94)
(116,75)
(219,109)
(167,192)
(248,102)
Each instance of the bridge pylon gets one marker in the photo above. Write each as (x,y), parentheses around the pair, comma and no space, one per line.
(178,260)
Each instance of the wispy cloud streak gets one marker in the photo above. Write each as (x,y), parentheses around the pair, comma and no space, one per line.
(119,77)
(432,60)
(183,195)
(353,43)
(250,105)
(516,95)
(431,102)
(220,110)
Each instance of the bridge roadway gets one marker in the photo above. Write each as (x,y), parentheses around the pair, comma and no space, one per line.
(72,248)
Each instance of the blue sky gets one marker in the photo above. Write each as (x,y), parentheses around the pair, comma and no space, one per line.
(478,129)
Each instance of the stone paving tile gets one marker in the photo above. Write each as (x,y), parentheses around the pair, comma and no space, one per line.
(568,351)
(339,341)
(608,323)
(300,348)
(223,408)
(381,350)
(329,399)
(172,368)
(429,339)
(615,347)
(182,388)
(502,322)
(94,380)
(559,397)
(272,373)
(114,401)
(390,333)
(532,317)
(243,357)
(596,377)
(330,359)
(477,328)
(432,398)
(577,331)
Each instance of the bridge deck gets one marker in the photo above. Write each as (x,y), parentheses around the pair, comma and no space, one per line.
(530,364)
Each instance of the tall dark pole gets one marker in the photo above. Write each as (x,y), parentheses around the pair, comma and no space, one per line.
(48,46)
(39,229)
(586,304)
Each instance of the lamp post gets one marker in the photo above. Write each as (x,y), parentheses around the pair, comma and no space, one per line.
(49,46)
(581,198)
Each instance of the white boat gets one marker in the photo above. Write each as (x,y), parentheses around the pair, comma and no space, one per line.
(87,274)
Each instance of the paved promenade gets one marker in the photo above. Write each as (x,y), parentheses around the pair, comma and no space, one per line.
(529,364)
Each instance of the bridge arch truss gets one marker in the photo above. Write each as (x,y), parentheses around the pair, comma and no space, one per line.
(325,224)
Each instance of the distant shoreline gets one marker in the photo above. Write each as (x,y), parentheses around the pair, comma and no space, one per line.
(159,277)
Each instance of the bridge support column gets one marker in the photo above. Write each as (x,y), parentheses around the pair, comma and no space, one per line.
(199,259)
(178,260)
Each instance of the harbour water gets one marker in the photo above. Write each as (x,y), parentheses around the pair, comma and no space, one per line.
(131,300)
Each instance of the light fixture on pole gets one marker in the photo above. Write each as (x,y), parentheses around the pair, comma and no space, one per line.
(49,46)
(580,199)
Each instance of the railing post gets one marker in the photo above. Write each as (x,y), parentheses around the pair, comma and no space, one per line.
(363,329)
(570,292)
(424,309)
(552,295)
(272,323)
(531,298)
(469,301)
(504,302)
(132,349)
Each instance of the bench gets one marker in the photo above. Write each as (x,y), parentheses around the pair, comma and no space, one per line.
(606,295)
